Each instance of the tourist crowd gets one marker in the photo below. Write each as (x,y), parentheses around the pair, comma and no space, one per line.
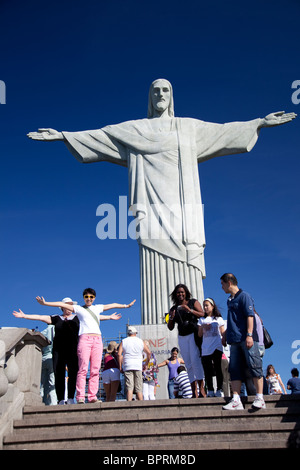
(75,352)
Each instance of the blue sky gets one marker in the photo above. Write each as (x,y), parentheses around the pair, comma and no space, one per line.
(83,65)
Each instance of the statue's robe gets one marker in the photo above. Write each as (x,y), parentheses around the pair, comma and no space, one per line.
(164,193)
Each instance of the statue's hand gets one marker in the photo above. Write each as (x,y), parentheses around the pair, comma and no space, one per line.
(46,134)
(276,119)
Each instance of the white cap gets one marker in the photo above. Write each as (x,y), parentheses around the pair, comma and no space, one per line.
(131,330)
(68,300)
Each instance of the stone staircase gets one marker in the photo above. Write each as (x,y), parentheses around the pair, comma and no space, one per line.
(161,425)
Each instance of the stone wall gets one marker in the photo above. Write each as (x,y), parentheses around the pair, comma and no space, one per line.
(20,373)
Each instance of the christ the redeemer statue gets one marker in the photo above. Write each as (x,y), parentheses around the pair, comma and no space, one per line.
(162,154)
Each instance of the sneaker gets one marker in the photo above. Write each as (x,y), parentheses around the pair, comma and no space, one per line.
(233,405)
(80,401)
(210,393)
(62,402)
(70,401)
(95,400)
(219,393)
(259,403)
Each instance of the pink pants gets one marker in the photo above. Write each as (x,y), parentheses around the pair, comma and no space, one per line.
(90,349)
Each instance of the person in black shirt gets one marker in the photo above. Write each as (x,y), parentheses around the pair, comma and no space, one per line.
(64,350)
(185,312)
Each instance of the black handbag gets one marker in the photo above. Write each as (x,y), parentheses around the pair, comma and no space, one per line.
(268,342)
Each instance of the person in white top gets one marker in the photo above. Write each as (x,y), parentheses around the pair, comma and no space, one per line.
(211,329)
(90,347)
(130,357)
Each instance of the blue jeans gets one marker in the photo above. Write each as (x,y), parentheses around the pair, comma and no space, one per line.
(242,358)
(171,388)
(48,382)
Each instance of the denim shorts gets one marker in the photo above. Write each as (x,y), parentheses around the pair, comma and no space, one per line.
(242,358)
(110,375)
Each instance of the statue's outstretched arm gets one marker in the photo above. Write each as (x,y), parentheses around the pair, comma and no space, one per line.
(46,134)
(276,119)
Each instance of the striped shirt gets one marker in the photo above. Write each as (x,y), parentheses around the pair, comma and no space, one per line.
(182,385)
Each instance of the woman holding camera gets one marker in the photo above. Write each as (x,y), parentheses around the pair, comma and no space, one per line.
(185,312)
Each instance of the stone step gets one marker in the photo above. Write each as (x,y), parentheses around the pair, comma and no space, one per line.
(113,435)
(157,406)
(159,409)
(135,429)
(225,439)
(185,424)
(271,401)
(107,419)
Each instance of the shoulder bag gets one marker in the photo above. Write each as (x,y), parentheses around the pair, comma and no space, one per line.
(268,342)
(92,314)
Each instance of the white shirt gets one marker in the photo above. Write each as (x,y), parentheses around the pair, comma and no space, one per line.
(87,323)
(132,353)
(212,338)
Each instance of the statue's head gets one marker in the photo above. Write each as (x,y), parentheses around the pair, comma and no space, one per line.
(160,98)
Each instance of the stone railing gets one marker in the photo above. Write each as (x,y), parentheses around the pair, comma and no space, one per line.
(20,373)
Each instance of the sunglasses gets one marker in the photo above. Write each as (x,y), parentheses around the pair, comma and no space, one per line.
(89,296)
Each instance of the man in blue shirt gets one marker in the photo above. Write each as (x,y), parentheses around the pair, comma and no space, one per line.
(294,383)
(242,336)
